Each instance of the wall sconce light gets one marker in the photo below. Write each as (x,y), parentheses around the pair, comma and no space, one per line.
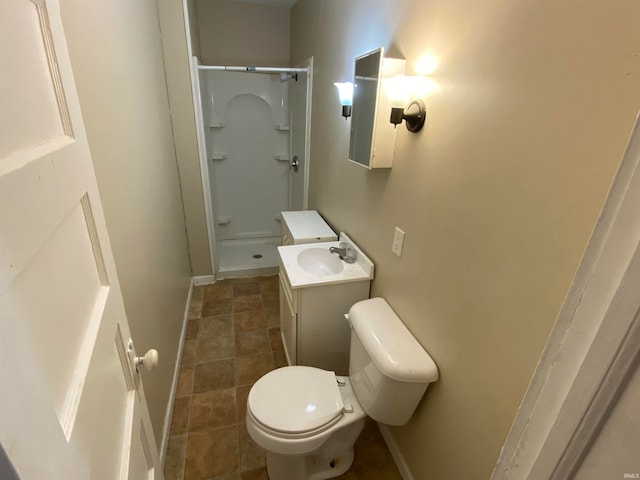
(414,115)
(399,90)
(345,91)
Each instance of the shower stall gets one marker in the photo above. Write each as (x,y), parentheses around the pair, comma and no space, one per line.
(254,149)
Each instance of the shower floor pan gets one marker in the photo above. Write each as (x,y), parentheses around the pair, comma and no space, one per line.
(247,257)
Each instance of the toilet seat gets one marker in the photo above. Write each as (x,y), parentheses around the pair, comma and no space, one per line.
(296,400)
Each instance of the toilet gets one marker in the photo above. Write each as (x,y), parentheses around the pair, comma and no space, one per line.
(309,419)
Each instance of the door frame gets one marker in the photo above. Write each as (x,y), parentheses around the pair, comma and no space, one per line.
(308,64)
(201,133)
(203,157)
(209,200)
(593,347)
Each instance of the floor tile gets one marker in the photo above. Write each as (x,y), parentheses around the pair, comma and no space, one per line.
(211,327)
(252,456)
(373,460)
(252,342)
(251,320)
(174,461)
(275,337)
(185,382)
(247,303)
(235,281)
(212,453)
(215,348)
(246,288)
(198,293)
(180,416)
(213,410)
(219,306)
(242,393)
(214,375)
(195,309)
(280,359)
(188,353)
(217,290)
(230,476)
(273,317)
(269,284)
(251,367)
(257,474)
(271,301)
(193,324)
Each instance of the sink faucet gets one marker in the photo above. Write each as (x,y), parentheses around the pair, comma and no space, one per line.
(345,252)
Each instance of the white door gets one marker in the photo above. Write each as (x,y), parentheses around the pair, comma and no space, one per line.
(71,403)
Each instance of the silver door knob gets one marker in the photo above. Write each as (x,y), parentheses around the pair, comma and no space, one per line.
(149,360)
(294,163)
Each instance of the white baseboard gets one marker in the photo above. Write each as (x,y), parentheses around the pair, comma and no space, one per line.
(203,280)
(166,429)
(395,452)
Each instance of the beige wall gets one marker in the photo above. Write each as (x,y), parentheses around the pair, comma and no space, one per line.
(176,61)
(117,63)
(235,33)
(193,27)
(497,195)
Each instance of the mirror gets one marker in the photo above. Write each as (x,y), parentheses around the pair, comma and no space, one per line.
(365,93)
(373,137)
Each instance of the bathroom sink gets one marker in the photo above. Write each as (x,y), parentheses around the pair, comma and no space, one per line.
(311,264)
(320,262)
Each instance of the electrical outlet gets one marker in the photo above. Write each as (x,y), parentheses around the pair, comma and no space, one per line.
(398,241)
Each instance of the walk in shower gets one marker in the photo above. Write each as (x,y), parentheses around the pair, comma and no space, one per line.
(254,127)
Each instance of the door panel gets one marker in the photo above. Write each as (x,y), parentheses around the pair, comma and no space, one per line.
(70,392)
(70,292)
(43,100)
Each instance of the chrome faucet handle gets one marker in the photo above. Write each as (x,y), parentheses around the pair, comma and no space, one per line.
(350,254)
(345,251)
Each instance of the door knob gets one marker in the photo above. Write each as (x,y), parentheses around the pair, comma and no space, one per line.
(148,361)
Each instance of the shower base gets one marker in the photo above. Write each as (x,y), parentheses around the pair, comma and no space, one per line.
(246,257)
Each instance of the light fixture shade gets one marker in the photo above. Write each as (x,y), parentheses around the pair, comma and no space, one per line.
(345,91)
(398,90)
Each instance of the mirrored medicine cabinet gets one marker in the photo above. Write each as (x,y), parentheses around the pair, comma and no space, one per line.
(373,137)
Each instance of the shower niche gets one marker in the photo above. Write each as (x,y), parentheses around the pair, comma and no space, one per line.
(248,136)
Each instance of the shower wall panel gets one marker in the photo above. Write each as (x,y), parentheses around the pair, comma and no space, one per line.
(248,152)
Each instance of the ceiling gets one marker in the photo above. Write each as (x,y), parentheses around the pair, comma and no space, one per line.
(270,3)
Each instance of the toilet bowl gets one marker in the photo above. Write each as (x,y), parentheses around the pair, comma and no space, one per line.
(305,430)
(309,419)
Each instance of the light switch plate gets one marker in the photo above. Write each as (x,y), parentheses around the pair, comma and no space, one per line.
(398,241)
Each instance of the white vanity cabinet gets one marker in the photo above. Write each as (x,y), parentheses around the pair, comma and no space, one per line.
(314,330)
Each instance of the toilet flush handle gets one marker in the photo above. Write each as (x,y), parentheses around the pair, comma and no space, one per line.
(149,360)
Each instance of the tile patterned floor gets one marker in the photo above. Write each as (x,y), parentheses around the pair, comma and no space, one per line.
(232,339)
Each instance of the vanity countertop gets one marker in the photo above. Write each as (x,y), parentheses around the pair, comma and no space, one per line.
(298,277)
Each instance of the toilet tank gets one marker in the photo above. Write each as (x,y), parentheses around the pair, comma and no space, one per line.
(388,368)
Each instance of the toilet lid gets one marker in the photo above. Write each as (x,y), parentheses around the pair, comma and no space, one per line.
(295,399)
